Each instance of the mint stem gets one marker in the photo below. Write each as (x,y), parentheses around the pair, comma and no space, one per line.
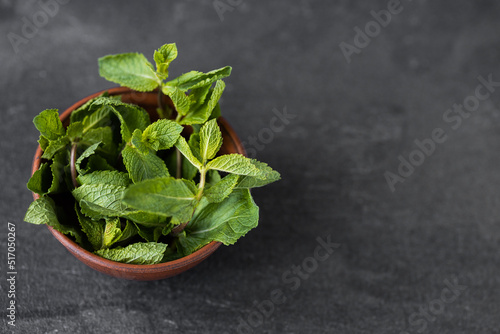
(160,103)
(73,164)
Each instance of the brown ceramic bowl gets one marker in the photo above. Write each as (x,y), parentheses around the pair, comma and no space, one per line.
(149,101)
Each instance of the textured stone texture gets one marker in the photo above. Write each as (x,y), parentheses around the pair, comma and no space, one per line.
(352,122)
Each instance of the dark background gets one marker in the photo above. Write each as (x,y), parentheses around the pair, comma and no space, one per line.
(398,251)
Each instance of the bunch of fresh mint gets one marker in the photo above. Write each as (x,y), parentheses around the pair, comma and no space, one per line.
(106,179)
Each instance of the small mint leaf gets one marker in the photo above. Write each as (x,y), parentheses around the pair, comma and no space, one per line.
(49,124)
(184,148)
(162,134)
(210,140)
(164,56)
(142,166)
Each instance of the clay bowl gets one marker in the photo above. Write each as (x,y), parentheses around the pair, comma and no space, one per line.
(149,101)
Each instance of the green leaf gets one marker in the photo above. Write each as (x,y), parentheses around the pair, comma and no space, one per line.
(225,222)
(204,111)
(74,131)
(143,166)
(179,98)
(43,211)
(238,164)
(49,124)
(138,253)
(112,232)
(138,143)
(162,134)
(41,180)
(132,70)
(164,196)
(164,56)
(100,200)
(150,234)
(43,142)
(98,117)
(268,175)
(131,116)
(105,177)
(87,153)
(54,147)
(210,140)
(183,147)
(146,219)
(219,191)
(94,229)
(195,79)
(102,135)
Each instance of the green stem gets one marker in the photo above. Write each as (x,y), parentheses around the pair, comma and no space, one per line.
(161,107)
(203,175)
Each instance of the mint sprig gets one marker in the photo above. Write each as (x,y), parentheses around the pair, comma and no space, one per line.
(136,191)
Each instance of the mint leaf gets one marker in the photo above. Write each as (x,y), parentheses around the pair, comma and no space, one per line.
(142,166)
(219,191)
(210,140)
(94,229)
(164,196)
(54,147)
(183,147)
(202,112)
(41,180)
(87,153)
(138,253)
(132,70)
(179,98)
(97,117)
(195,79)
(112,232)
(43,142)
(49,124)
(131,116)
(238,164)
(268,175)
(164,56)
(162,134)
(74,131)
(146,219)
(43,211)
(225,222)
(100,200)
(105,177)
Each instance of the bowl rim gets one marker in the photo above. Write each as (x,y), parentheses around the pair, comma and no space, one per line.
(97,260)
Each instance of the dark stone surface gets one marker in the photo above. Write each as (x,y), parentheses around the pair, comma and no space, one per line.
(398,250)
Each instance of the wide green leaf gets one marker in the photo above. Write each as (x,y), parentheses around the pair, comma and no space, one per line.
(132,70)
(137,253)
(210,140)
(225,222)
(100,200)
(164,196)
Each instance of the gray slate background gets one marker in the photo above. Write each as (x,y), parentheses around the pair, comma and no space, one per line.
(398,249)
